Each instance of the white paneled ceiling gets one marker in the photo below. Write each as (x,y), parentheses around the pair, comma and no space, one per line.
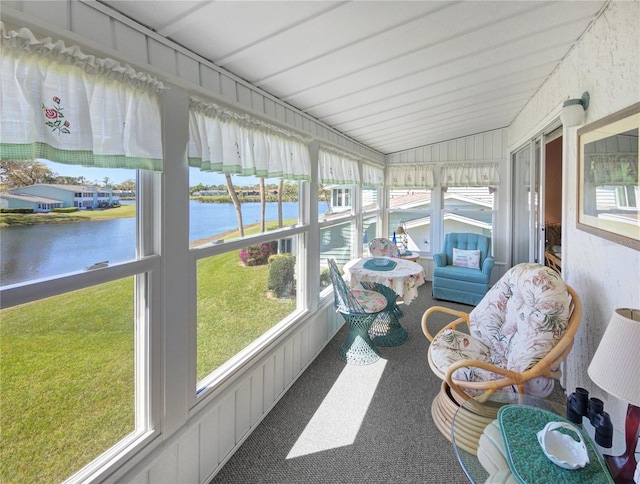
(393,75)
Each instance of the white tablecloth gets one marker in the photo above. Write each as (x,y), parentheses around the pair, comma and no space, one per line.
(404,279)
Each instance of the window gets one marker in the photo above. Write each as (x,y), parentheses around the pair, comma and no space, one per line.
(243,292)
(247,264)
(468,209)
(468,197)
(75,310)
(341,198)
(411,209)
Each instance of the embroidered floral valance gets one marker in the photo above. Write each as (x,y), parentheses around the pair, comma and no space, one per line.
(372,175)
(63,105)
(337,167)
(470,175)
(410,176)
(223,141)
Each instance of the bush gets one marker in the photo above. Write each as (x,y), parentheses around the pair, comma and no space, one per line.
(325,278)
(16,210)
(258,255)
(65,209)
(282,270)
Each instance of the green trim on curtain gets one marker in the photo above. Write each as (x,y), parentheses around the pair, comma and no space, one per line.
(31,151)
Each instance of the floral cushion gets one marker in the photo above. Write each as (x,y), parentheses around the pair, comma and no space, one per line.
(515,325)
(371,301)
(383,248)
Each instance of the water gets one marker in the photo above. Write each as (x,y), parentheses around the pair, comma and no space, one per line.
(45,250)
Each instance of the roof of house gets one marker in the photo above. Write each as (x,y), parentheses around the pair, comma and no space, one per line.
(29,198)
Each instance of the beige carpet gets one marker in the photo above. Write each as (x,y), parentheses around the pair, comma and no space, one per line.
(355,424)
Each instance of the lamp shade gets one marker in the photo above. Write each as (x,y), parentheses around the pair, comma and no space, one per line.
(615,367)
(572,113)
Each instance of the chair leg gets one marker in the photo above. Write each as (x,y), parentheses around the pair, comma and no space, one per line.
(387,331)
(357,348)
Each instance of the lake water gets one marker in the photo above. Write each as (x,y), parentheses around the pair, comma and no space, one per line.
(45,250)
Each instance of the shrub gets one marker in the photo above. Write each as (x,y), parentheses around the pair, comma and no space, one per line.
(282,270)
(65,209)
(325,278)
(257,255)
(16,210)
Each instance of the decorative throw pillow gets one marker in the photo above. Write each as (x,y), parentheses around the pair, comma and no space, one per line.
(466,258)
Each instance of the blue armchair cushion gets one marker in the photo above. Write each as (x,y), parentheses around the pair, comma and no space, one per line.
(462,274)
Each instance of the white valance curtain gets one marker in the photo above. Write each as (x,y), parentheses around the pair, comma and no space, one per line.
(337,167)
(410,176)
(470,175)
(372,175)
(63,105)
(223,141)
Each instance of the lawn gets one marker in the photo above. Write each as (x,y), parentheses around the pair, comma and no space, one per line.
(67,371)
(122,211)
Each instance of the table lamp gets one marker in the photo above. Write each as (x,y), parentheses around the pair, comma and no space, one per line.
(615,368)
(402,233)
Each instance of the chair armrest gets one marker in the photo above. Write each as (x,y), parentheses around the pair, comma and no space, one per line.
(489,387)
(440,260)
(487,265)
(462,317)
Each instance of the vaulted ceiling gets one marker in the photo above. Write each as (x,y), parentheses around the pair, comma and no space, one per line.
(392,75)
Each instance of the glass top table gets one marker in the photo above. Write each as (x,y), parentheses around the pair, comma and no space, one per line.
(472,418)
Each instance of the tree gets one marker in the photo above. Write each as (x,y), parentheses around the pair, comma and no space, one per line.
(106,181)
(16,174)
(127,185)
(66,180)
(263,206)
(325,194)
(280,190)
(236,203)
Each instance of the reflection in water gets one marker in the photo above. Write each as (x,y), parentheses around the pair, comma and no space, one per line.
(37,251)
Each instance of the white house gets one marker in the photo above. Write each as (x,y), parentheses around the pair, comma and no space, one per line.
(37,204)
(81,196)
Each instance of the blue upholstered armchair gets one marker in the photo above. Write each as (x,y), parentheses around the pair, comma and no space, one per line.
(462,272)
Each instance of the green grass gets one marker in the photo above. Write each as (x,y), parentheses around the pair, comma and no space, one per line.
(7,219)
(230,319)
(67,376)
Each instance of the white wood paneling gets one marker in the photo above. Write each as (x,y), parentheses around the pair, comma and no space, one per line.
(209,443)
(227,422)
(490,146)
(189,456)
(90,23)
(242,414)
(135,43)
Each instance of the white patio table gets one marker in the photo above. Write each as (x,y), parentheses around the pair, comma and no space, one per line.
(404,278)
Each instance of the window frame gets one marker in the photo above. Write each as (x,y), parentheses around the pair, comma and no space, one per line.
(146,270)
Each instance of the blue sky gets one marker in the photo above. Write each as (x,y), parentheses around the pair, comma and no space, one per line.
(118,175)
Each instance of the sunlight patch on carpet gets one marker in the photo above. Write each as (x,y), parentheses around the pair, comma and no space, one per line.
(338,419)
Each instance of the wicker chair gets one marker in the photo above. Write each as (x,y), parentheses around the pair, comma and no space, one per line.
(381,247)
(515,340)
(359,308)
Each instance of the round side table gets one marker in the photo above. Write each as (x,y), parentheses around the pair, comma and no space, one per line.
(410,255)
